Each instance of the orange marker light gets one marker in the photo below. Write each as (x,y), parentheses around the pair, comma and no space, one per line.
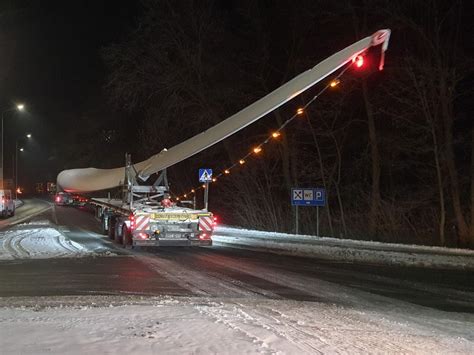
(257,150)
(334,83)
(300,111)
(226,171)
(241,162)
(276,134)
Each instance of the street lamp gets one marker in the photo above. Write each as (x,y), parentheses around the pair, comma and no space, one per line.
(19,107)
(16,163)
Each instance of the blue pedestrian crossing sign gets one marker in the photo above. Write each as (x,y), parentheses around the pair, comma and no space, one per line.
(205,175)
(308,197)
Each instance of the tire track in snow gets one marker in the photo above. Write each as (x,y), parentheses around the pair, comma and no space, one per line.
(21,243)
(346,297)
(200,281)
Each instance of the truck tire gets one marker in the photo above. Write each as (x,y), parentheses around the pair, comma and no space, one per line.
(126,236)
(103,228)
(117,233)
(111,231)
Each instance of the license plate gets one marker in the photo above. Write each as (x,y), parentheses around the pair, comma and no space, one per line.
(174,236)
(174,216)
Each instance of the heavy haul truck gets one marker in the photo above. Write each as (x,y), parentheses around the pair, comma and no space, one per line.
(144,215)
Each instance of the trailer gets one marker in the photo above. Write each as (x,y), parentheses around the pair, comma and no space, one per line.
(145,215)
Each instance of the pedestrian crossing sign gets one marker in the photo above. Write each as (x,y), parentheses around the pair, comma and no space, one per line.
(205,175)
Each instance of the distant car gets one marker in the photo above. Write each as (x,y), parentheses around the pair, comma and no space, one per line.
(7,204)
(63,199)
(78,200)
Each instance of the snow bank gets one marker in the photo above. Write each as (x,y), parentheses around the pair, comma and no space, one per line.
(344,249)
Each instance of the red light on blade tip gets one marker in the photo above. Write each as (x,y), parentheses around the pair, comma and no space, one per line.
(359,61)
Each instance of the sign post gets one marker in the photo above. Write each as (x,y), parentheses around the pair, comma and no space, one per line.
(308,197)
(317,221)
(297,229)
(205,176)
(206,196)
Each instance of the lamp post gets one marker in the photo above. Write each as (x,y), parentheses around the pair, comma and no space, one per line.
(19,107)
(28,135)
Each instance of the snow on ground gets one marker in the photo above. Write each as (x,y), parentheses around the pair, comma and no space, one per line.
(37,241)
(345,249)
(78,325)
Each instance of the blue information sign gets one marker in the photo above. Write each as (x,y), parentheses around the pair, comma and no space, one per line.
(205,175)
(308,197)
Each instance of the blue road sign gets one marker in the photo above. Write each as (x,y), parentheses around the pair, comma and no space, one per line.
(205,175)
(308,197)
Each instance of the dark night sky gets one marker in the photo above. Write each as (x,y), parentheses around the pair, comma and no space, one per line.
(51,61)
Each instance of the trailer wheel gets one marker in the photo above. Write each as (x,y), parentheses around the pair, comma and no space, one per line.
(111,230)
(126,236)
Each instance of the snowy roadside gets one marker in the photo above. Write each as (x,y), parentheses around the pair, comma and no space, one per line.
(171,325)
(18,203)
(344,249)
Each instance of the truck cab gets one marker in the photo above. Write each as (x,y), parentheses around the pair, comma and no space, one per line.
(7,204)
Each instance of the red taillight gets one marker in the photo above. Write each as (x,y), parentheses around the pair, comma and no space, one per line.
(214,223)
(132,222)
(58,198)
(203,236)
(359,61)
(142,235)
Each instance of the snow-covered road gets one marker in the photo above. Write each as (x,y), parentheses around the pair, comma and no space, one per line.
(168,325)
(66,289)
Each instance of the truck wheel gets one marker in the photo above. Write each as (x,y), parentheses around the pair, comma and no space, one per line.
(117,234)
(111,231)
(104,229)
(126,237)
